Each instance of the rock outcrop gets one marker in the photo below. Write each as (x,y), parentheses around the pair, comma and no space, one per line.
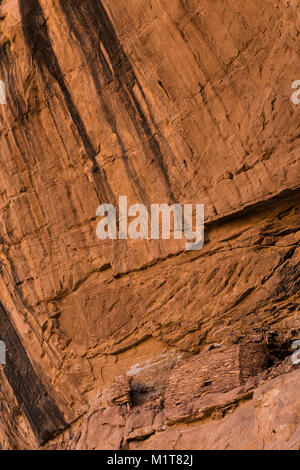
(139,344)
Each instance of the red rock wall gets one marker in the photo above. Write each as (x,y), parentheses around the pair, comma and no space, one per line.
(163,101)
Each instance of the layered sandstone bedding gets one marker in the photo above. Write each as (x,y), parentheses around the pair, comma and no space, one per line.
(140,344)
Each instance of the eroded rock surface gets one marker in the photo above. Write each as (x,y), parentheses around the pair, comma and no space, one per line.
(139,344)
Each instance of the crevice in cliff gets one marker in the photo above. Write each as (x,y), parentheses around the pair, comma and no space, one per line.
(92,12)
(39,407)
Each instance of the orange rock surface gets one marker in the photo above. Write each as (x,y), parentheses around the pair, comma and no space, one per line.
(123,344)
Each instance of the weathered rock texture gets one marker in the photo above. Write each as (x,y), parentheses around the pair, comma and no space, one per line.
(139,344)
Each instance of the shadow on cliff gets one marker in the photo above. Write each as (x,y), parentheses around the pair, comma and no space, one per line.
(43,57)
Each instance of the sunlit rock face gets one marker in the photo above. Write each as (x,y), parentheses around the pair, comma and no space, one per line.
(140,344)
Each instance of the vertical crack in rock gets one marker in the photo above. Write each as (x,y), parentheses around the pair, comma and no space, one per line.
(91,16)
(39,407)
(38,41)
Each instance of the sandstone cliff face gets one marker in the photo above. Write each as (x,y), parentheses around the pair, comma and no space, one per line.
(139,344)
